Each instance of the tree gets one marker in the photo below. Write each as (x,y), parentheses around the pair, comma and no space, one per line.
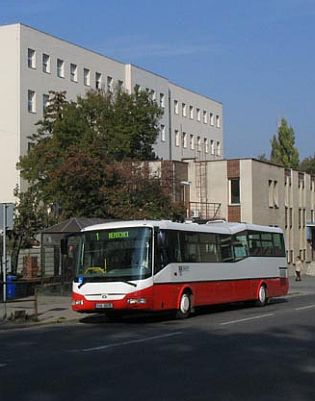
(30,218)
(262,157)
(283,151)
(85,157)
(308,165)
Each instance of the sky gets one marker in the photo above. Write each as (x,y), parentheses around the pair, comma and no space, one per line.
(256,57)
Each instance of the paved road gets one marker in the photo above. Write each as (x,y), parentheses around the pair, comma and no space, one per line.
(226,353)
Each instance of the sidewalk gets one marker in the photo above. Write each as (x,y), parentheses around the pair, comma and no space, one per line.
(50,309)
(57,309)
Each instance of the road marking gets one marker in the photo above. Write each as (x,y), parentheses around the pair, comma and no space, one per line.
(139,340)
(247,319)
(305,307)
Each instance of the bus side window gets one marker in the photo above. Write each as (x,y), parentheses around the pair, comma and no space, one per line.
(209,251)
(267,244)
(254,244)
(159,251)
(226,248)
(278,244)
(240,246)
(171,246)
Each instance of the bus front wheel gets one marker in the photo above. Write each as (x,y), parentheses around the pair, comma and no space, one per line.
(262,296)
(184,309)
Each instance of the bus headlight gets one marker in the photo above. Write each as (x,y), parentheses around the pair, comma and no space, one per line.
(134,301)
(77,302)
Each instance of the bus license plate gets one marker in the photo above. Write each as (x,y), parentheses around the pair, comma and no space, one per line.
(104,306)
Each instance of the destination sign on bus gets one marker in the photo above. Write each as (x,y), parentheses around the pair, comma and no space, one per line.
(118,234)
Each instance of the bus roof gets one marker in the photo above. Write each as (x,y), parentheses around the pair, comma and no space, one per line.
(216,226)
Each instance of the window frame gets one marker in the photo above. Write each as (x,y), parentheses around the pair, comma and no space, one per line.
(60,68)
(46,63)
(31,58)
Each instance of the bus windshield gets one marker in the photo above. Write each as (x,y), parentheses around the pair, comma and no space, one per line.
(113,254)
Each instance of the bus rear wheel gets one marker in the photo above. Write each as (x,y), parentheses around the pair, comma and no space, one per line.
(262,296)
(184,309)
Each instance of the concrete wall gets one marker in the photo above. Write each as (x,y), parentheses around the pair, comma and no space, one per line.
(9,109)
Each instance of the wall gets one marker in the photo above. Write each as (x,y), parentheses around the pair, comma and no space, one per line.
(10,110)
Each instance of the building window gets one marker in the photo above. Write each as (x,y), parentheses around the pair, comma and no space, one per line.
(98,80)
(198,115)
(162,100)
(110,83)
(46,63)
(234,186)
(184,111)
(31,101)
(218,149)
(191,112)
(212,147)
(120,85)
(30,146)
(153,94)
(273,194)
(60,68)
(205,117)
(206,144)
(198,143)
(218,123)
(276,194)
(184,140)
(192,142)
(73,72)
(31,58)
(212,119)
(300,217)
(163,138)
(45,102)
(137,88)
(286,217)
(270,191)
(176,137)
(175,106)
(86,77)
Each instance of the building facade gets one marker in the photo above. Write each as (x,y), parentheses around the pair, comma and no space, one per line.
(34,63)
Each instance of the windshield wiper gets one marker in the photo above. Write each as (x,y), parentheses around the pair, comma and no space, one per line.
(128,282)
(97,279)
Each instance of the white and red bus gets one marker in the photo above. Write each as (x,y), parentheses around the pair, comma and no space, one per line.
(162,265)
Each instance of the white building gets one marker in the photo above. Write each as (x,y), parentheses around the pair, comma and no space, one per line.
(34,63)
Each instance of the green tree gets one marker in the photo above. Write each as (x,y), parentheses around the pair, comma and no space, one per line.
(30,218)
(283,150)
(308,165)
(85,157)
(263,157)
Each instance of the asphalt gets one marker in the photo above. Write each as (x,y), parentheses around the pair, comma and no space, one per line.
(56,309)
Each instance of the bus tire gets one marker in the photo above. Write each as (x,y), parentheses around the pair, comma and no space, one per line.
(262,296)
(184,308)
